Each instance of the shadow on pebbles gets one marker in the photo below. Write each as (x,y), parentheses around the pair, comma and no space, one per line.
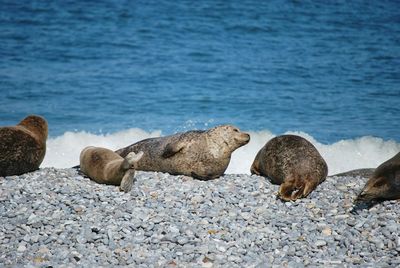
(55,217)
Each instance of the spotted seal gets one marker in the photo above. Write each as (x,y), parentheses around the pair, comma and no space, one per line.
(201,154)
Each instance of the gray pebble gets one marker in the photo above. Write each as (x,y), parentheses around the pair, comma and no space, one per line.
(61,219)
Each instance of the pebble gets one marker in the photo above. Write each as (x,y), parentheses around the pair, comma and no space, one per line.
(21,248)
(327,231)
(55,217)
(320,243)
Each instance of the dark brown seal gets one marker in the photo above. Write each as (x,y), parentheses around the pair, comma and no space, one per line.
(384,184)
(23,147)
(105,166)
(200,154)
(294,163)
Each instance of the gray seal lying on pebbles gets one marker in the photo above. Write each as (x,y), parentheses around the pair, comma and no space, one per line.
(384,184)
(294,163)
(105,166)
(200,154)
(23,147)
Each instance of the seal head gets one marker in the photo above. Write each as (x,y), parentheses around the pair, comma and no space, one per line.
(384,184)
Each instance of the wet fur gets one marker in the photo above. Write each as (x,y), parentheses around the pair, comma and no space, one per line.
(200,154)
(23,146)
(294,163)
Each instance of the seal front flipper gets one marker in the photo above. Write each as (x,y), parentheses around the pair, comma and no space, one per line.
(172,148)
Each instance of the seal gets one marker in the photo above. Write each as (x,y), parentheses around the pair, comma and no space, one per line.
(362,172)
(384,184)
(294,163)
(23,147)
(201,154)
(105,166)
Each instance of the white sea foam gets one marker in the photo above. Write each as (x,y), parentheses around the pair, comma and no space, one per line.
(63,151)
(341,156)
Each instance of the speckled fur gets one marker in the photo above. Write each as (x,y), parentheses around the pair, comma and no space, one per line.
(294,163)
(384,184)
(23,147)
(105,166)
(200,154)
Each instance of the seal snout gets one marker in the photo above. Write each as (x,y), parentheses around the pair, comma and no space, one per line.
(368,194)
(243,138)
(362,197)
(247,137)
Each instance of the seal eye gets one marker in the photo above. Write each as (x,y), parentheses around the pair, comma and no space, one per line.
(379,182)
(236,130)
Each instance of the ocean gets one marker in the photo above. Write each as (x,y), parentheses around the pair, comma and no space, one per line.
(110,73)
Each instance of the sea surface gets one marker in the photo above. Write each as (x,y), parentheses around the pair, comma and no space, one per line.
(110,73)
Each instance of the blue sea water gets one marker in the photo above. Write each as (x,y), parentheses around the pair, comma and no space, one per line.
(329,69)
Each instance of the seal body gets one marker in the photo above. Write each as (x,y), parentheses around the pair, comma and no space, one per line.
(23,147)
(105,166)
(200,154)
(362,172)
(384,184)
(294,163)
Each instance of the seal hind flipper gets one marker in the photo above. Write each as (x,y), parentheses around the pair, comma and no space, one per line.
(172,148)
(294,188)
(127,181)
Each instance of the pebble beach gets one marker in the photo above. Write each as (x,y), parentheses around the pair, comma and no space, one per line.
(56,217)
